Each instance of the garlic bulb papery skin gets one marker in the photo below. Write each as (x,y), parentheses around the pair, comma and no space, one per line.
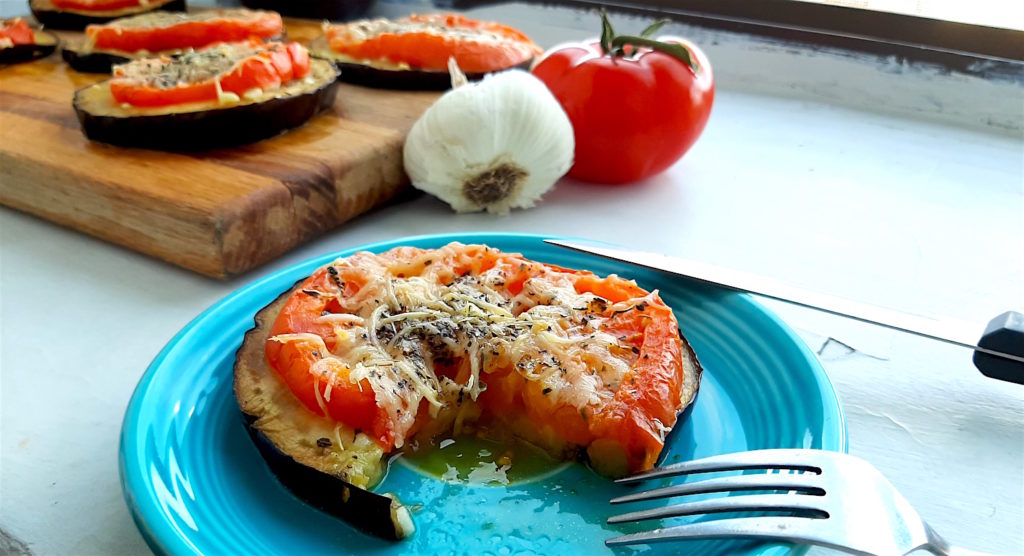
(493,145)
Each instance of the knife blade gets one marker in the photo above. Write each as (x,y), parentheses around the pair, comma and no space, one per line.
(999,353)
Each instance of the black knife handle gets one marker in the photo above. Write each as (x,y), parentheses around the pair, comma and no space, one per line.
(1004,334)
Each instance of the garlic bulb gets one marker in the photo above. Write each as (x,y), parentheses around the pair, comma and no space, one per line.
(493,145)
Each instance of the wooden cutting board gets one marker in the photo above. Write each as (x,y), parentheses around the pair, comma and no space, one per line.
(219,213)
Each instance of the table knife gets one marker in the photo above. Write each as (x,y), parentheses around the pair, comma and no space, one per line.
(998,347)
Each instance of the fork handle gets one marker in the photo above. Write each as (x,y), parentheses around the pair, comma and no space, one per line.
(938,546)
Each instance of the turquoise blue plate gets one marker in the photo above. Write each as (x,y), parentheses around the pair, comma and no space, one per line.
(196,484)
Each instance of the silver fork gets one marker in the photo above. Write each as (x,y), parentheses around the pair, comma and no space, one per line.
(838,501)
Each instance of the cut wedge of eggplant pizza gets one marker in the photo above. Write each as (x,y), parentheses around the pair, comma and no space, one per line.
(224,95)
(166,34)
(19,42)
(74,15)
(413,52)
(376,354)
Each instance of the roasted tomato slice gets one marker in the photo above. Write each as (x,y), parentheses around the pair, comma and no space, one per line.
(160,31)
(389,343)
(208,74)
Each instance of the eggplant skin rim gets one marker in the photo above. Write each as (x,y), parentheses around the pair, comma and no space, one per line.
(406,80)
(367,511)
(91,62)
(28,52)
(693,371)
(77,21)
(375,514)
(207,129)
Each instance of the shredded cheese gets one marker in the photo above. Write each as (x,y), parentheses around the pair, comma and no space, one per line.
(225,97)
(337,437)
(253,94)
(319,398)
(340,318)
(404,324)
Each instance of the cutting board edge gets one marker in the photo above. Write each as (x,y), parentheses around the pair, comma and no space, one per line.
(294,216)
(104,217)
(201,232)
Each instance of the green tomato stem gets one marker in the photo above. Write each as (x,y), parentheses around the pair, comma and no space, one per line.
(676,51)
(653,28)
(607,33)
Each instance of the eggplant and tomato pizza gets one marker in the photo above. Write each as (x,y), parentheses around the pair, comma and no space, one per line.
(224,95)
(166,33)
(413,52)
(74,15)
(379,353)
(19,42)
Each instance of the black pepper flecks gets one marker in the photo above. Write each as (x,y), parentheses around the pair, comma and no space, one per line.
(333,272)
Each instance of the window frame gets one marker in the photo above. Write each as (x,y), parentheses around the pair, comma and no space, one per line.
(963,47)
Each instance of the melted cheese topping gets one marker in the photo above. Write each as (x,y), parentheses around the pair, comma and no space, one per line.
(365,29)
(381,64)
(396,330)
(191,66)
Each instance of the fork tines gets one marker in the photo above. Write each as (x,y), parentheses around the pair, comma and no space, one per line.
(800,460)
(809,482)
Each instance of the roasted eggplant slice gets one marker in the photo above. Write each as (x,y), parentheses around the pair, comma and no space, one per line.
(206,125)
(374,340)
(413,52)
(92,61)
(322,462)
(44,45)
(75,20)
(163,33)
(334,10)
(389,76)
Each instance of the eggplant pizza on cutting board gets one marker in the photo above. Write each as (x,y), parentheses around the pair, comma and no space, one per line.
(218,212)
(264,149)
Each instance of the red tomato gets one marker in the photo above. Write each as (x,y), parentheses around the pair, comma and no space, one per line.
(634,111)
